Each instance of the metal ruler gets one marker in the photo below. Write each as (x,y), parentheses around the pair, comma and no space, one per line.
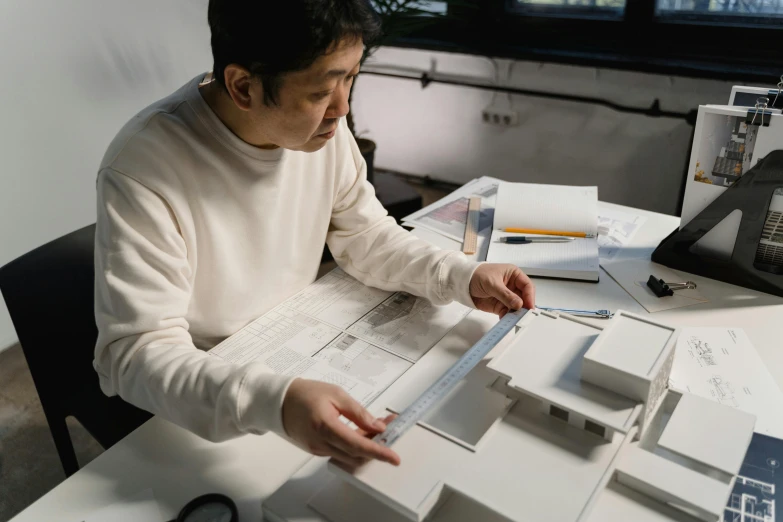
(470,242)
(435,393)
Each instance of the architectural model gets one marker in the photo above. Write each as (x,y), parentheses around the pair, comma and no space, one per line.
(588,432)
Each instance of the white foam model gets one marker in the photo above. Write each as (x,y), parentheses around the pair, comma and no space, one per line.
(573,446)
(634,359)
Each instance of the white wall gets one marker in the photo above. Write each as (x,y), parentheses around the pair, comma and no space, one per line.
(437,131)
(73,72)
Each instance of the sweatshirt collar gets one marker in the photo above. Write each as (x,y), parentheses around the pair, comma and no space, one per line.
(222,133)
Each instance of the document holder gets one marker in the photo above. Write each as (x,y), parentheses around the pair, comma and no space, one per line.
(756,259)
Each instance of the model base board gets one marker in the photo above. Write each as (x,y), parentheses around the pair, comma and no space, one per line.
(570,447)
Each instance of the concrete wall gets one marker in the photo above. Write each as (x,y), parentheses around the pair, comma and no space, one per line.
(437,131)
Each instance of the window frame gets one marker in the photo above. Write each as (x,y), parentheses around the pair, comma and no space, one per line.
(640,40)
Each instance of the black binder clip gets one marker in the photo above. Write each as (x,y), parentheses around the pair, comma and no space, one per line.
(759,115)
(662,288)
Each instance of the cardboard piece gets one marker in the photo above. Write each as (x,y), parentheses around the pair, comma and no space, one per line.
(632,275)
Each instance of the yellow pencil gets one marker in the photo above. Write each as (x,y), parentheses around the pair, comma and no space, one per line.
(546,232)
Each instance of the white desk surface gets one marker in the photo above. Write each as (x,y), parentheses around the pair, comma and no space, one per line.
(178,466)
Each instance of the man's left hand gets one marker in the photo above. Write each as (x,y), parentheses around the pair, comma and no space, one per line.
(498,288)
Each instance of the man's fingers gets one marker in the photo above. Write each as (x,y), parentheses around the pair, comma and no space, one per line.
(386,420)
(344,457)
(390,417)
(523,283)
(498,308)
(508,298)
(354,412)
(358,446)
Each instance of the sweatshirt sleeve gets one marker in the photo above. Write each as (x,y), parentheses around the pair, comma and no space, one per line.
(368,244)
(144,351)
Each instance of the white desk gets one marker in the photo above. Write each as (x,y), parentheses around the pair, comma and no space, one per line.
(179,466)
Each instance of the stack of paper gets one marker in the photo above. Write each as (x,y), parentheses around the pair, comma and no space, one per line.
(339,331)
(448,216)
(444,221)
(548,207)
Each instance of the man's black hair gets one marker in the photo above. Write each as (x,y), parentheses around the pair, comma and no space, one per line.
(273,37)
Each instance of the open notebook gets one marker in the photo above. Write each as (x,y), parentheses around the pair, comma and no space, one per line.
(548,207)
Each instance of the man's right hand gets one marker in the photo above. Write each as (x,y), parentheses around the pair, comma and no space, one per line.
(311,416)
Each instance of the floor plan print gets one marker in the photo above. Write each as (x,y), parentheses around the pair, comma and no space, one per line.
(407,325)
(339,331)
(337,299)
(758,483)
(363,362)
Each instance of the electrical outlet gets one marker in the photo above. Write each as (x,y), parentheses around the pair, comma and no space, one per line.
(500,117)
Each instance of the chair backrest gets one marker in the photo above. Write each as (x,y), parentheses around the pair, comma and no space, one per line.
(49,294)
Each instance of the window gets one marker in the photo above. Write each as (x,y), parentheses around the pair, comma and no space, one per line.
(424,5)
(736,40)
(435,7)
(560,413)
(592,427)
(759,11)
(600,8)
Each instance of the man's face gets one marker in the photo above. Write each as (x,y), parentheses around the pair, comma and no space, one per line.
(311,101)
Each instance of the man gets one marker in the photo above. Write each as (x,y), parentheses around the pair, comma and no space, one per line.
(213,206)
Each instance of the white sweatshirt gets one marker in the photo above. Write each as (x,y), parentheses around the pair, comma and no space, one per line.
(200,233)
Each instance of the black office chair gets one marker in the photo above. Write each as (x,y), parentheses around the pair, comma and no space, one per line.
(49,293)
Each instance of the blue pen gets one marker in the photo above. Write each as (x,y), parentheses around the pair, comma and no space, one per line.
(598,314)
(525,240)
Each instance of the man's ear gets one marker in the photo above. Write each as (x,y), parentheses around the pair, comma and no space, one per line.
(239,84)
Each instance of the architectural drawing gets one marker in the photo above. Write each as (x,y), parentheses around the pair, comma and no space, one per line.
(591,414)
(337,299)
(754,498)
(722,391)
(701,351)
(339,331)
(400,323)
(407,325)
(269,338)
(721,364)
(753,503)
(616,229)
(397,308)
(363,361)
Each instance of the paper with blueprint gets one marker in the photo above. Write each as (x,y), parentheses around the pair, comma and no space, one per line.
(547,207)
(407,325)
(337,299)
(448,216)
(339,331)
(721,364)
(615,230)
(371,368)
(281,338)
